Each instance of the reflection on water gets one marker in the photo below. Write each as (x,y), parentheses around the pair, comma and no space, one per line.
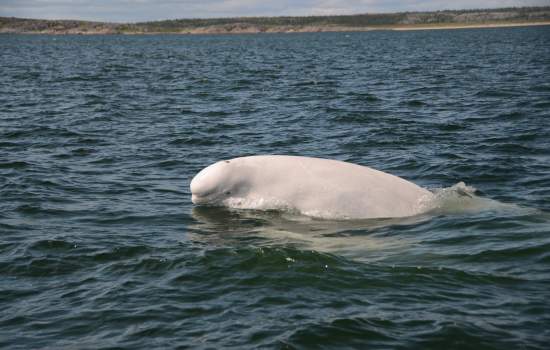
(352,238)
(366,240)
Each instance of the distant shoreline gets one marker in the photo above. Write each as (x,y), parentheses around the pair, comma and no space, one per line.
(312,29)
(473,26)
(401,21)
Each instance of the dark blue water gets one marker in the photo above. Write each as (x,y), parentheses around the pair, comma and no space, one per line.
(100,246)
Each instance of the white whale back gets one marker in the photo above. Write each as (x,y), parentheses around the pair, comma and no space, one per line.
(311,186)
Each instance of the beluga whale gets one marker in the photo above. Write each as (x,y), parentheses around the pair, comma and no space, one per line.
(308,186)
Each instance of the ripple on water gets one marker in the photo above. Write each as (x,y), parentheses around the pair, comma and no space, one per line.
(100,245)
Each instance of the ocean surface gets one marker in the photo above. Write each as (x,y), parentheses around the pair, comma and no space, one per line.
(101,247)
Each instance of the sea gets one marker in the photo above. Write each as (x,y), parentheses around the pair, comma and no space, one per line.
(102,248)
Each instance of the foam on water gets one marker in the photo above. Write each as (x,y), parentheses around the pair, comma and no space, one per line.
(258,203)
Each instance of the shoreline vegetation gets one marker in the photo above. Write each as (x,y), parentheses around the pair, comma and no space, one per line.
(448,19)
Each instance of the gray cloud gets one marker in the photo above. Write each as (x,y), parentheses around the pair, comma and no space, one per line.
(143,10)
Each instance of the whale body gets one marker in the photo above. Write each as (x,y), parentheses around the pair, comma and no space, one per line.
(310,186)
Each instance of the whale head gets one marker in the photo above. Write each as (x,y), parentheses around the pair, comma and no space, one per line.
(217,182)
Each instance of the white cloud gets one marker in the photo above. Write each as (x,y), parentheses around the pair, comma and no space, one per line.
(141,10)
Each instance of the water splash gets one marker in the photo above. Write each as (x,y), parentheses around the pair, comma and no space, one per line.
(462,199)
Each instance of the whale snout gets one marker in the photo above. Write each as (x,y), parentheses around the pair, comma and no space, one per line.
(206,185)
(196,199)
(200,190)
(198,187)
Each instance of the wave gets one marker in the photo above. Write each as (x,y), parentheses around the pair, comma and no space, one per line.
(277,224)
(457,199)
(462,199)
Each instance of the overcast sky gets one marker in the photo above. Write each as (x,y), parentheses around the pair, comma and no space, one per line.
(144,10)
